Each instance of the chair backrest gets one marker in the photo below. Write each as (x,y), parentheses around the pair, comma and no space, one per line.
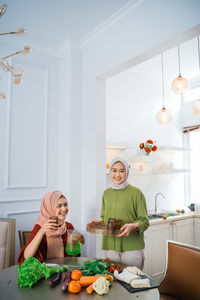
(182,278)
(7,242)
(23,237)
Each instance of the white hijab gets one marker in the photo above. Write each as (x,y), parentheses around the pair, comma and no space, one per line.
(125,183)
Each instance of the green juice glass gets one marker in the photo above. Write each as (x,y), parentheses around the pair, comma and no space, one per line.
(73,246)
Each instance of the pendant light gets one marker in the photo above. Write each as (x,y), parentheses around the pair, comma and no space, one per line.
(163,116)
(196,104)
(180,84)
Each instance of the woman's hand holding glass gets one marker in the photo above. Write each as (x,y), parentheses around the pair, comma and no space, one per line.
(49,224)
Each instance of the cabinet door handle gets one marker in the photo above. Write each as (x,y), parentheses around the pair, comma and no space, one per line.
(174,223)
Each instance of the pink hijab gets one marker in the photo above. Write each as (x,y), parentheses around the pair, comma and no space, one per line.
(55,246)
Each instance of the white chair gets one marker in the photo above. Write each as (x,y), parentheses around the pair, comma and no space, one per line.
(7,242)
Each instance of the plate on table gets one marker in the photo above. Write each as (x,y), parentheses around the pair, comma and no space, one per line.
(134,290)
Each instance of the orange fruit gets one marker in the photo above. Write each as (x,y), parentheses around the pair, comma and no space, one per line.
(76,274)
(74,287)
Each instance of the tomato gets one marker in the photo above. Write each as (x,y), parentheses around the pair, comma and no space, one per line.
(141,146)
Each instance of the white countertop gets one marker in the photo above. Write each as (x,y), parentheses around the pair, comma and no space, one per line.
(174,218)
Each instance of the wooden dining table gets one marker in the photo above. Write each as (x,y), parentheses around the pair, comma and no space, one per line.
(9,289)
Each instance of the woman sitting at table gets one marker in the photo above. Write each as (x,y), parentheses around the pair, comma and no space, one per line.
(49,235)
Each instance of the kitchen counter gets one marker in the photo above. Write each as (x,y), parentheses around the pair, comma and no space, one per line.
(174,218)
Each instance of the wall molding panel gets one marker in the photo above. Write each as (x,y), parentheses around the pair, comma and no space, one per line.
(7,214)
(35,103)
(20,200)
(29,137)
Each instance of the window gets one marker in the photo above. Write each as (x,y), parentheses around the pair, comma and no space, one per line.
(194,140)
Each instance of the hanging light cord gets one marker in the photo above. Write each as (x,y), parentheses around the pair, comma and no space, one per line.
(179,68)
(163,91)
(198,51)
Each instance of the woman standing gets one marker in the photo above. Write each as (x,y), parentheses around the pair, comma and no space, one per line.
(127,203)
(49,235)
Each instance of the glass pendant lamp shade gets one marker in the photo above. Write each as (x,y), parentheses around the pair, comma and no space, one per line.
(163,116)
(179,85)
(196,107)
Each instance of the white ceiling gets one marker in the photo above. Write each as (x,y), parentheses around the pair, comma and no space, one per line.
(49,23)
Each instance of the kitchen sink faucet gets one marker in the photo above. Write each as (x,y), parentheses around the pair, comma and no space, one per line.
(156,196)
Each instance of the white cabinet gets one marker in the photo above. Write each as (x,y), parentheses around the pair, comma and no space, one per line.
(155,250)
(155,244)
(183,231)
(197,232)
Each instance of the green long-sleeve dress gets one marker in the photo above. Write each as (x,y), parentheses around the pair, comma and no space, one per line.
(128,205)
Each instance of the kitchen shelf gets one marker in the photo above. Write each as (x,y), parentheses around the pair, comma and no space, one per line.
(143,173)
(124,146)
(172,149)
(166,160)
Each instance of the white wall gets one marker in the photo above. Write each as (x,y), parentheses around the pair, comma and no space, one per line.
(138,33)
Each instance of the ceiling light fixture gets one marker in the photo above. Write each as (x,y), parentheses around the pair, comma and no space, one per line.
(163,116)
(17,72)
(2,95)
(3,8)
(180,84)
(196,104)
(19,31)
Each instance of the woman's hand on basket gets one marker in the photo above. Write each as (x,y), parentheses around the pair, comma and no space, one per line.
(127,228)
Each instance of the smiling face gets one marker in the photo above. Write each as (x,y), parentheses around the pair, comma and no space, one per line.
(62,208)
(118,173)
